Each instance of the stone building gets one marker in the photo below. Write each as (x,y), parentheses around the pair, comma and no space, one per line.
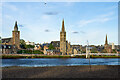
(106,42)
(45,50)
(38,47)
(63,44)
(69,48)
(11,45)
(78,49)
(107,47)
(56,44)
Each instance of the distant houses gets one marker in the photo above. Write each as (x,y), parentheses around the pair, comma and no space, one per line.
(62,47)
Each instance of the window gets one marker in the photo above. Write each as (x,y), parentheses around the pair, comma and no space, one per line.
(9,47)
(4,46)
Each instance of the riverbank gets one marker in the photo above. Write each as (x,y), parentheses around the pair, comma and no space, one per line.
(96,71)
(17,56)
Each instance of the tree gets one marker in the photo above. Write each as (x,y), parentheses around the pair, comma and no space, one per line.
(29,46)
(0,40)
(51,47)
(22,43)
(114,51)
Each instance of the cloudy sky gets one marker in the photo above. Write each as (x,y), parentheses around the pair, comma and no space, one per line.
(41,22)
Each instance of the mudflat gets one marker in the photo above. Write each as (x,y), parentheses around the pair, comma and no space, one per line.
(95,71)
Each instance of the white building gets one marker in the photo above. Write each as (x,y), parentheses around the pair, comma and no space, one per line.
(30,43)
(113,46)
(75,51)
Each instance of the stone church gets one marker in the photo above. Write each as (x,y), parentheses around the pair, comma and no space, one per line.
(63,45)
(11,45)
(108,47)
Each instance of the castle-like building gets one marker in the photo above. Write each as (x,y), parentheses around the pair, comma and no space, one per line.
(11,45)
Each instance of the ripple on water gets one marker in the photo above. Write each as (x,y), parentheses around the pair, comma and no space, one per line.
(42,62)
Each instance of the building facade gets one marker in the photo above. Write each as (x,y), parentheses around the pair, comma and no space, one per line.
(63,46)
(107,47)
(106,42)
(30,43)
(11,45)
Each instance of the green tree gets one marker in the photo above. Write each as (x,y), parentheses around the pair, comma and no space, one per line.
(0,40)
(114,51)
(30,52)
(22,43)
(29,46)
(51,47)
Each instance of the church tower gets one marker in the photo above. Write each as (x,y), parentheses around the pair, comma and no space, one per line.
(106,41)
(16,36)
(63,39)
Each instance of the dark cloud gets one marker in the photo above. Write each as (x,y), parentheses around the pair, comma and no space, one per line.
(51,13)
(47,30)
(75,32)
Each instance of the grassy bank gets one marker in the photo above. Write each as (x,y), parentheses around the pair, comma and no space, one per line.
(55,56)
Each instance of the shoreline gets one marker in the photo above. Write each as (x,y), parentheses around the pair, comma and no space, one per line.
(50,56)
(81,71)
(61,58)
(59,66)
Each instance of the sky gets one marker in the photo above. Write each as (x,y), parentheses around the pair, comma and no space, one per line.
(39,22)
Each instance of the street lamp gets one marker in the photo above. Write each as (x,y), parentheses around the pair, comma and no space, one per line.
(5,47)
(88,52)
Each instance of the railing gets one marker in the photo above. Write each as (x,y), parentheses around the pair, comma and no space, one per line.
(97,54)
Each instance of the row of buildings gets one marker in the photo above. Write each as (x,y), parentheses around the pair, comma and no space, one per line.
(62,47)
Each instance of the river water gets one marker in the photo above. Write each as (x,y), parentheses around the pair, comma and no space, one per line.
(42,62)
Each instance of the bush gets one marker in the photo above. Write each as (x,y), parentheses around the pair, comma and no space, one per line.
(51,47)
(30,52)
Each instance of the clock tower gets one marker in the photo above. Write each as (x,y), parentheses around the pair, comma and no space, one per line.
(16,36)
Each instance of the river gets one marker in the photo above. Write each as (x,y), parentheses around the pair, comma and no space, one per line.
(42,62)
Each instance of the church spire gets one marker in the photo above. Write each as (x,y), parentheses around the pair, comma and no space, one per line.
(63,28)
(106,42)
(16,27)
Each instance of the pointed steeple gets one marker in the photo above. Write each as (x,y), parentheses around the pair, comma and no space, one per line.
(106,42)
(16,27)
(63,28)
